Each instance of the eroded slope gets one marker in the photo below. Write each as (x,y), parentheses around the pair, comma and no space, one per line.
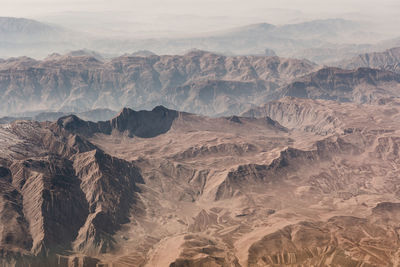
(295,182)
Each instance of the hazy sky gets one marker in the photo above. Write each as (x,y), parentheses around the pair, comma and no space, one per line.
(40,7)
(193,15)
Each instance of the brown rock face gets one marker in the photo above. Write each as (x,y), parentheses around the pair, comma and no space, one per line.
(326,244)
(53,203)
(61,193)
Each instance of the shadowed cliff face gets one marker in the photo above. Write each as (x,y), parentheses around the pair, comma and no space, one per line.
(321,39)
(53,203)
(145,124)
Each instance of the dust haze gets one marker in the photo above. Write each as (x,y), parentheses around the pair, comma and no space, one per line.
(155,18)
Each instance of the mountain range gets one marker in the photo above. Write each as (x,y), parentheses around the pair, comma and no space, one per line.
(91,115)
(197,82)
(313,182)
(362,85)
(387,60)
(246,156)
(20,36)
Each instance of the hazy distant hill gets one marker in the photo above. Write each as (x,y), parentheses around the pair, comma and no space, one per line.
(317,40)
(326,30)
(387,60)
(100,114)
(21,30)
(304,40)
(142,53)
(19,36)
(77,53)
(329,30)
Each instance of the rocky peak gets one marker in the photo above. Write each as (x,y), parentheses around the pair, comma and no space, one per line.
(70,122)
(144,123)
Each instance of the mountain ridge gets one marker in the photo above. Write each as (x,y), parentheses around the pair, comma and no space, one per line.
(199,81)
(361,85)
(387,60)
